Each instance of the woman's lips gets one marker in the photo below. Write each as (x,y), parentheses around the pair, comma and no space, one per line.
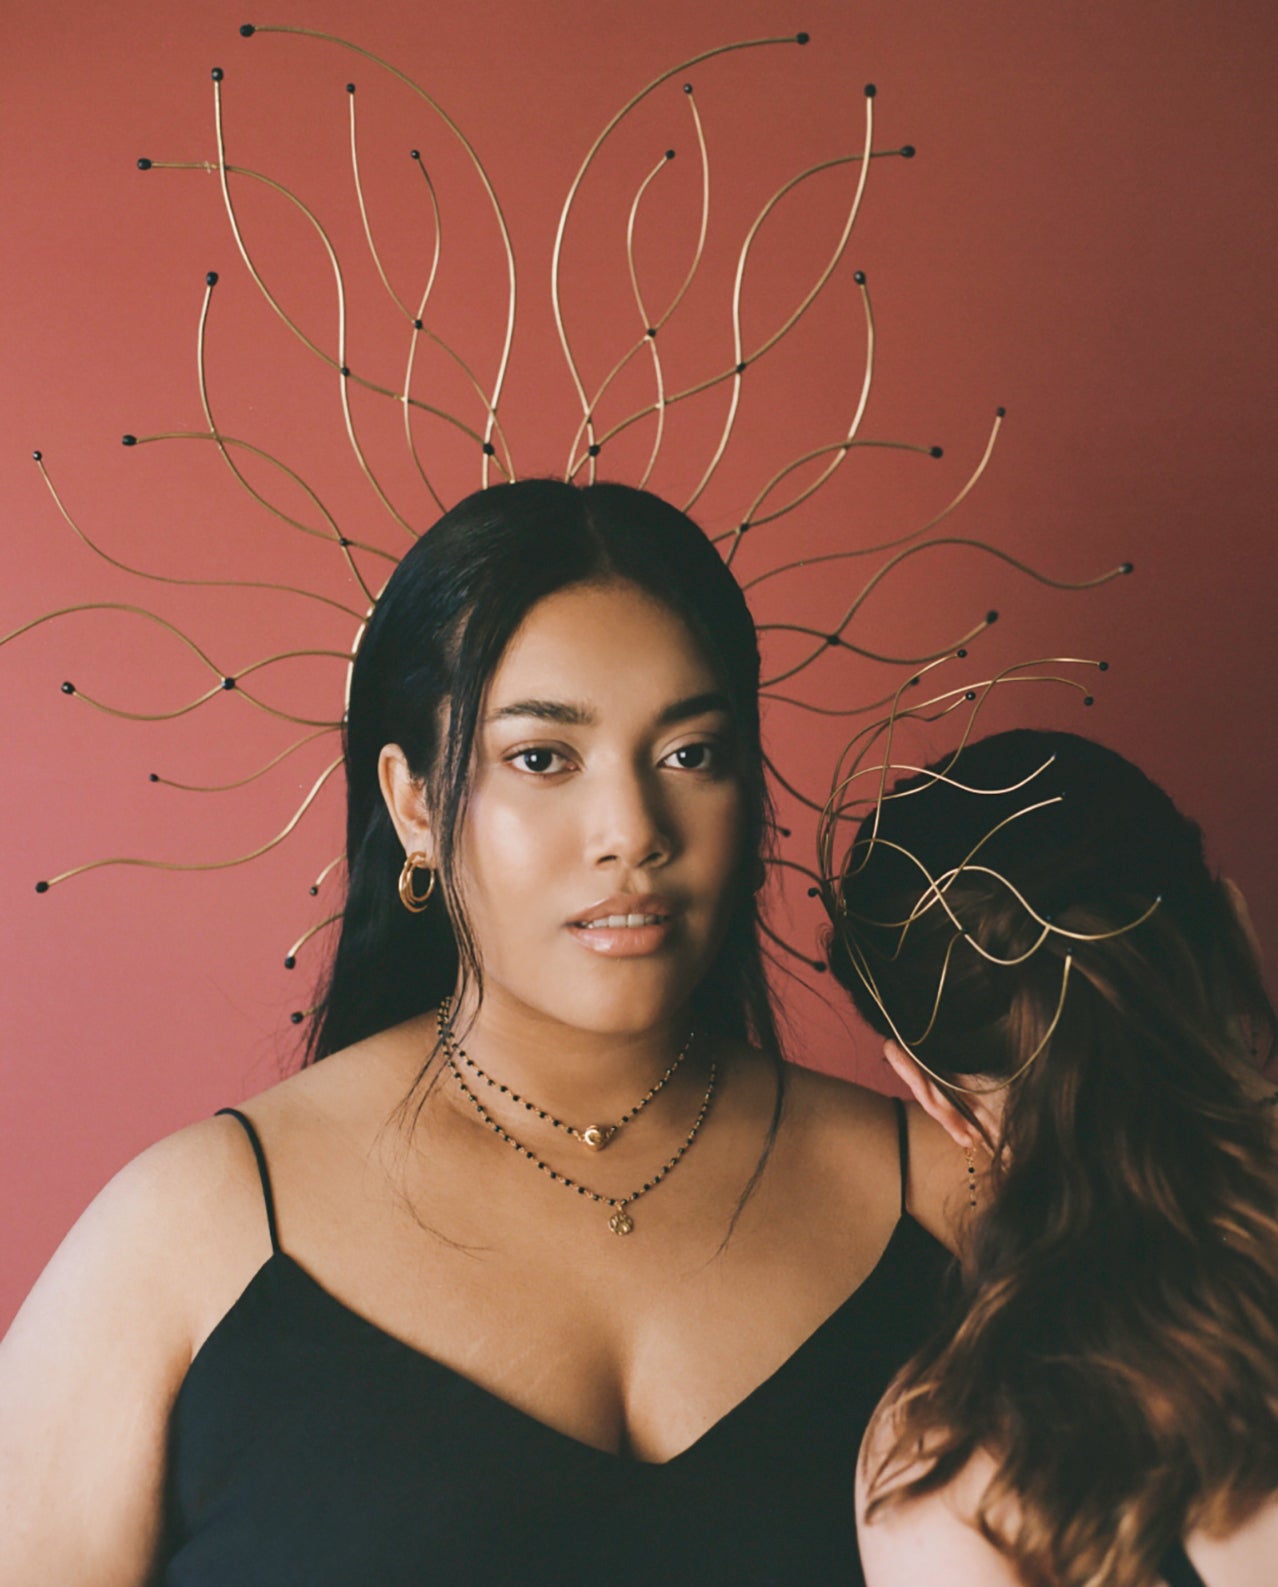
(625,927)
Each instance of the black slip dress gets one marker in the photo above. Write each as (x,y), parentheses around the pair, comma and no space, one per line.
(309,1448)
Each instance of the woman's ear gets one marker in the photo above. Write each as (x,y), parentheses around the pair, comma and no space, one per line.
(406,803)
(933,1099)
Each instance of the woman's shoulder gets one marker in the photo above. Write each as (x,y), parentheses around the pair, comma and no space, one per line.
(844,1123)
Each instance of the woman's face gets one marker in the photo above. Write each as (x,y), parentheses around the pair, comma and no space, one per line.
(601,847)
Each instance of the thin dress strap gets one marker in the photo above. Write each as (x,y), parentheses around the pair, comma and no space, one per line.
(903,1147)
(263,1172)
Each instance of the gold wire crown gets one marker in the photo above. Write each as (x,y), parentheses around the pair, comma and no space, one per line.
(843,806)
(765,502)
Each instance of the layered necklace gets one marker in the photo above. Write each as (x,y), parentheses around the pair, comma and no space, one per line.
(594,1137)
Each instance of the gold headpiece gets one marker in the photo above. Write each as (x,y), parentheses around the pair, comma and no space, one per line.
(464,408)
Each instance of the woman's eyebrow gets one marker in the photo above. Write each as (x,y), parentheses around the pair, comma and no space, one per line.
(567,713)
(564,712)
(694,705)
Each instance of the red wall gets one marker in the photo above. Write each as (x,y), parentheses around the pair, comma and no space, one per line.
(1085,236)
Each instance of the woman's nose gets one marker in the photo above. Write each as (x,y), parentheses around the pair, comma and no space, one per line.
(630,825)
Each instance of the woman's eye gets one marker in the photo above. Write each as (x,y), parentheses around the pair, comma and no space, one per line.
(536,760)
(695,757)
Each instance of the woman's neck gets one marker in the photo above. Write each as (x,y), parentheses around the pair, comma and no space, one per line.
(562,1068)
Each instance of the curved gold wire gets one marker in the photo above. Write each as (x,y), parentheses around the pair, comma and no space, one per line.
(227,682)
(243,782)
(651,326)
(165,578)
(740,360)
(749,520)
(205,865)
(224,170)
(860,650)
(894,562)
(328,870)
(290,958)
(499,381)
(887,545)
(224,443)
(556,300)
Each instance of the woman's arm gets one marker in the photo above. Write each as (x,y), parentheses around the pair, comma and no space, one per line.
(90,1368)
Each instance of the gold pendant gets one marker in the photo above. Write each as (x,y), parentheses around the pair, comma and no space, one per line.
(596,1136)
(621,1222)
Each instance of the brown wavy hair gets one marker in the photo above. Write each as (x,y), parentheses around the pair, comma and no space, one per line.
(1114,1349)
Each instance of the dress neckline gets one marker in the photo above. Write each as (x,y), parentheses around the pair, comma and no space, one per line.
(281,1263)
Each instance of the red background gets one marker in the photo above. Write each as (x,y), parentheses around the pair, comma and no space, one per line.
(1085,236)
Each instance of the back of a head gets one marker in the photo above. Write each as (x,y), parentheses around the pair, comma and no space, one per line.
(982,875)
(1033,919)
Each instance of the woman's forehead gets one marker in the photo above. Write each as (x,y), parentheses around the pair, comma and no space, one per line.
(598,648)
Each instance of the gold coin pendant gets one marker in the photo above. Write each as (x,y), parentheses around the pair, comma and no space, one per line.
(621,1222)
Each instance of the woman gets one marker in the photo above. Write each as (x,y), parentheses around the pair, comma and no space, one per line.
(1071,994)
(549,1271)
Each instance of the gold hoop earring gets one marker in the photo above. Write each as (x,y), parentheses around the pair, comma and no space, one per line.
(414,862)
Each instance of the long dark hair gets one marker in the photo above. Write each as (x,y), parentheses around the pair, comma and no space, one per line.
(436,635)
(1116,1349)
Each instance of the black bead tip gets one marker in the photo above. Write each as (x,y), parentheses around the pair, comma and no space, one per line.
(38,455)
(594,449)
(936,451)
(153,776)
(418,325)
(802,38)
(859,277)
(42,887)
(343,542)
(210,280)
(961,654)
(914,682)
(991,617)
(814,892)
(247,30)
(313,891)
(217,74)
(68,688)
(144,164)
(414,154)
(741,368)
(128,440)
(1102,666)
(345,371)
(687,88)
(228,683)
(1001,413)
(785,832)
(819,967)
(290,963)
(489,449)
(870,90)
(297,1016)
(832,639)
(670,154)
(969,694)
(1089,699)
(908,151)
(1126,568)
(651,331)
(350,88)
